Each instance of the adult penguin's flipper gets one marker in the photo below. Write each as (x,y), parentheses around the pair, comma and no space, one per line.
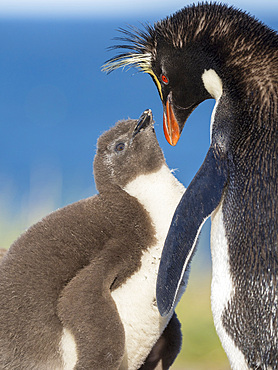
(198,202)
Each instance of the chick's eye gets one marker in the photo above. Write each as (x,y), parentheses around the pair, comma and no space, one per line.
(164,79)
(120,147)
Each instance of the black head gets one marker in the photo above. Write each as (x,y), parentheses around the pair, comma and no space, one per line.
(179,81)
(127,150)
(175,63)
(198,53)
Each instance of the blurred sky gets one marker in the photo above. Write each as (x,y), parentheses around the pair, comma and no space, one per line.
(55,101)
(112,8)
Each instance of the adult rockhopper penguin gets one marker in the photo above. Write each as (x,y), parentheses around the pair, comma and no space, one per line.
(214,51)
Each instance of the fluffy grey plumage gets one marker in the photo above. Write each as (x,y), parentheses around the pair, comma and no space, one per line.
(57,279)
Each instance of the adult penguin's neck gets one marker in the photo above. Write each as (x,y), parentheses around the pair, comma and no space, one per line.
(244,54)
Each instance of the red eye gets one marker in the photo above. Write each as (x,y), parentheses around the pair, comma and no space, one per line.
(164,79)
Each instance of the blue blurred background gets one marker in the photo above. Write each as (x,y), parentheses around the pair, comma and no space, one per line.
(55,102)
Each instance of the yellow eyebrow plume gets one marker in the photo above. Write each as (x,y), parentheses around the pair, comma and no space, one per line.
(138,60)
(158,84)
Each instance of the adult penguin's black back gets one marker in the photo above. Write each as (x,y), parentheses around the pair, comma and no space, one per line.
(214,51)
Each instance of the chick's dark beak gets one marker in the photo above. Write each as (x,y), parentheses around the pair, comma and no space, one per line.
(170,124)
(144,121)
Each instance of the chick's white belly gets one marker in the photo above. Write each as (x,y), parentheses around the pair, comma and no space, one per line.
(137,308)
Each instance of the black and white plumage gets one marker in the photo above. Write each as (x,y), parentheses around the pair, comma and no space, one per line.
(77,289)
(214,51)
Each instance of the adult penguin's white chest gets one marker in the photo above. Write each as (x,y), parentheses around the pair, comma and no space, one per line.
(160,194)
(222,287)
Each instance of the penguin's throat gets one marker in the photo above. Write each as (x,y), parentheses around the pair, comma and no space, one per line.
(159,193)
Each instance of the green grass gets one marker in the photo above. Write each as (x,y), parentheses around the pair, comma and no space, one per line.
(201,348)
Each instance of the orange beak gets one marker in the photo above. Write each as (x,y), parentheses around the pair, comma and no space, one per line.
(170,125)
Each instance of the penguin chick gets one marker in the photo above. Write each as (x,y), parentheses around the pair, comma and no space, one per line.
(77,289)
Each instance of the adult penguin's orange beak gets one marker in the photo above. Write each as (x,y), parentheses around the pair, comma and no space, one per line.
(170,124)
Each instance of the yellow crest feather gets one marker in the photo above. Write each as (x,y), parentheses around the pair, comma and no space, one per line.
(141,61)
